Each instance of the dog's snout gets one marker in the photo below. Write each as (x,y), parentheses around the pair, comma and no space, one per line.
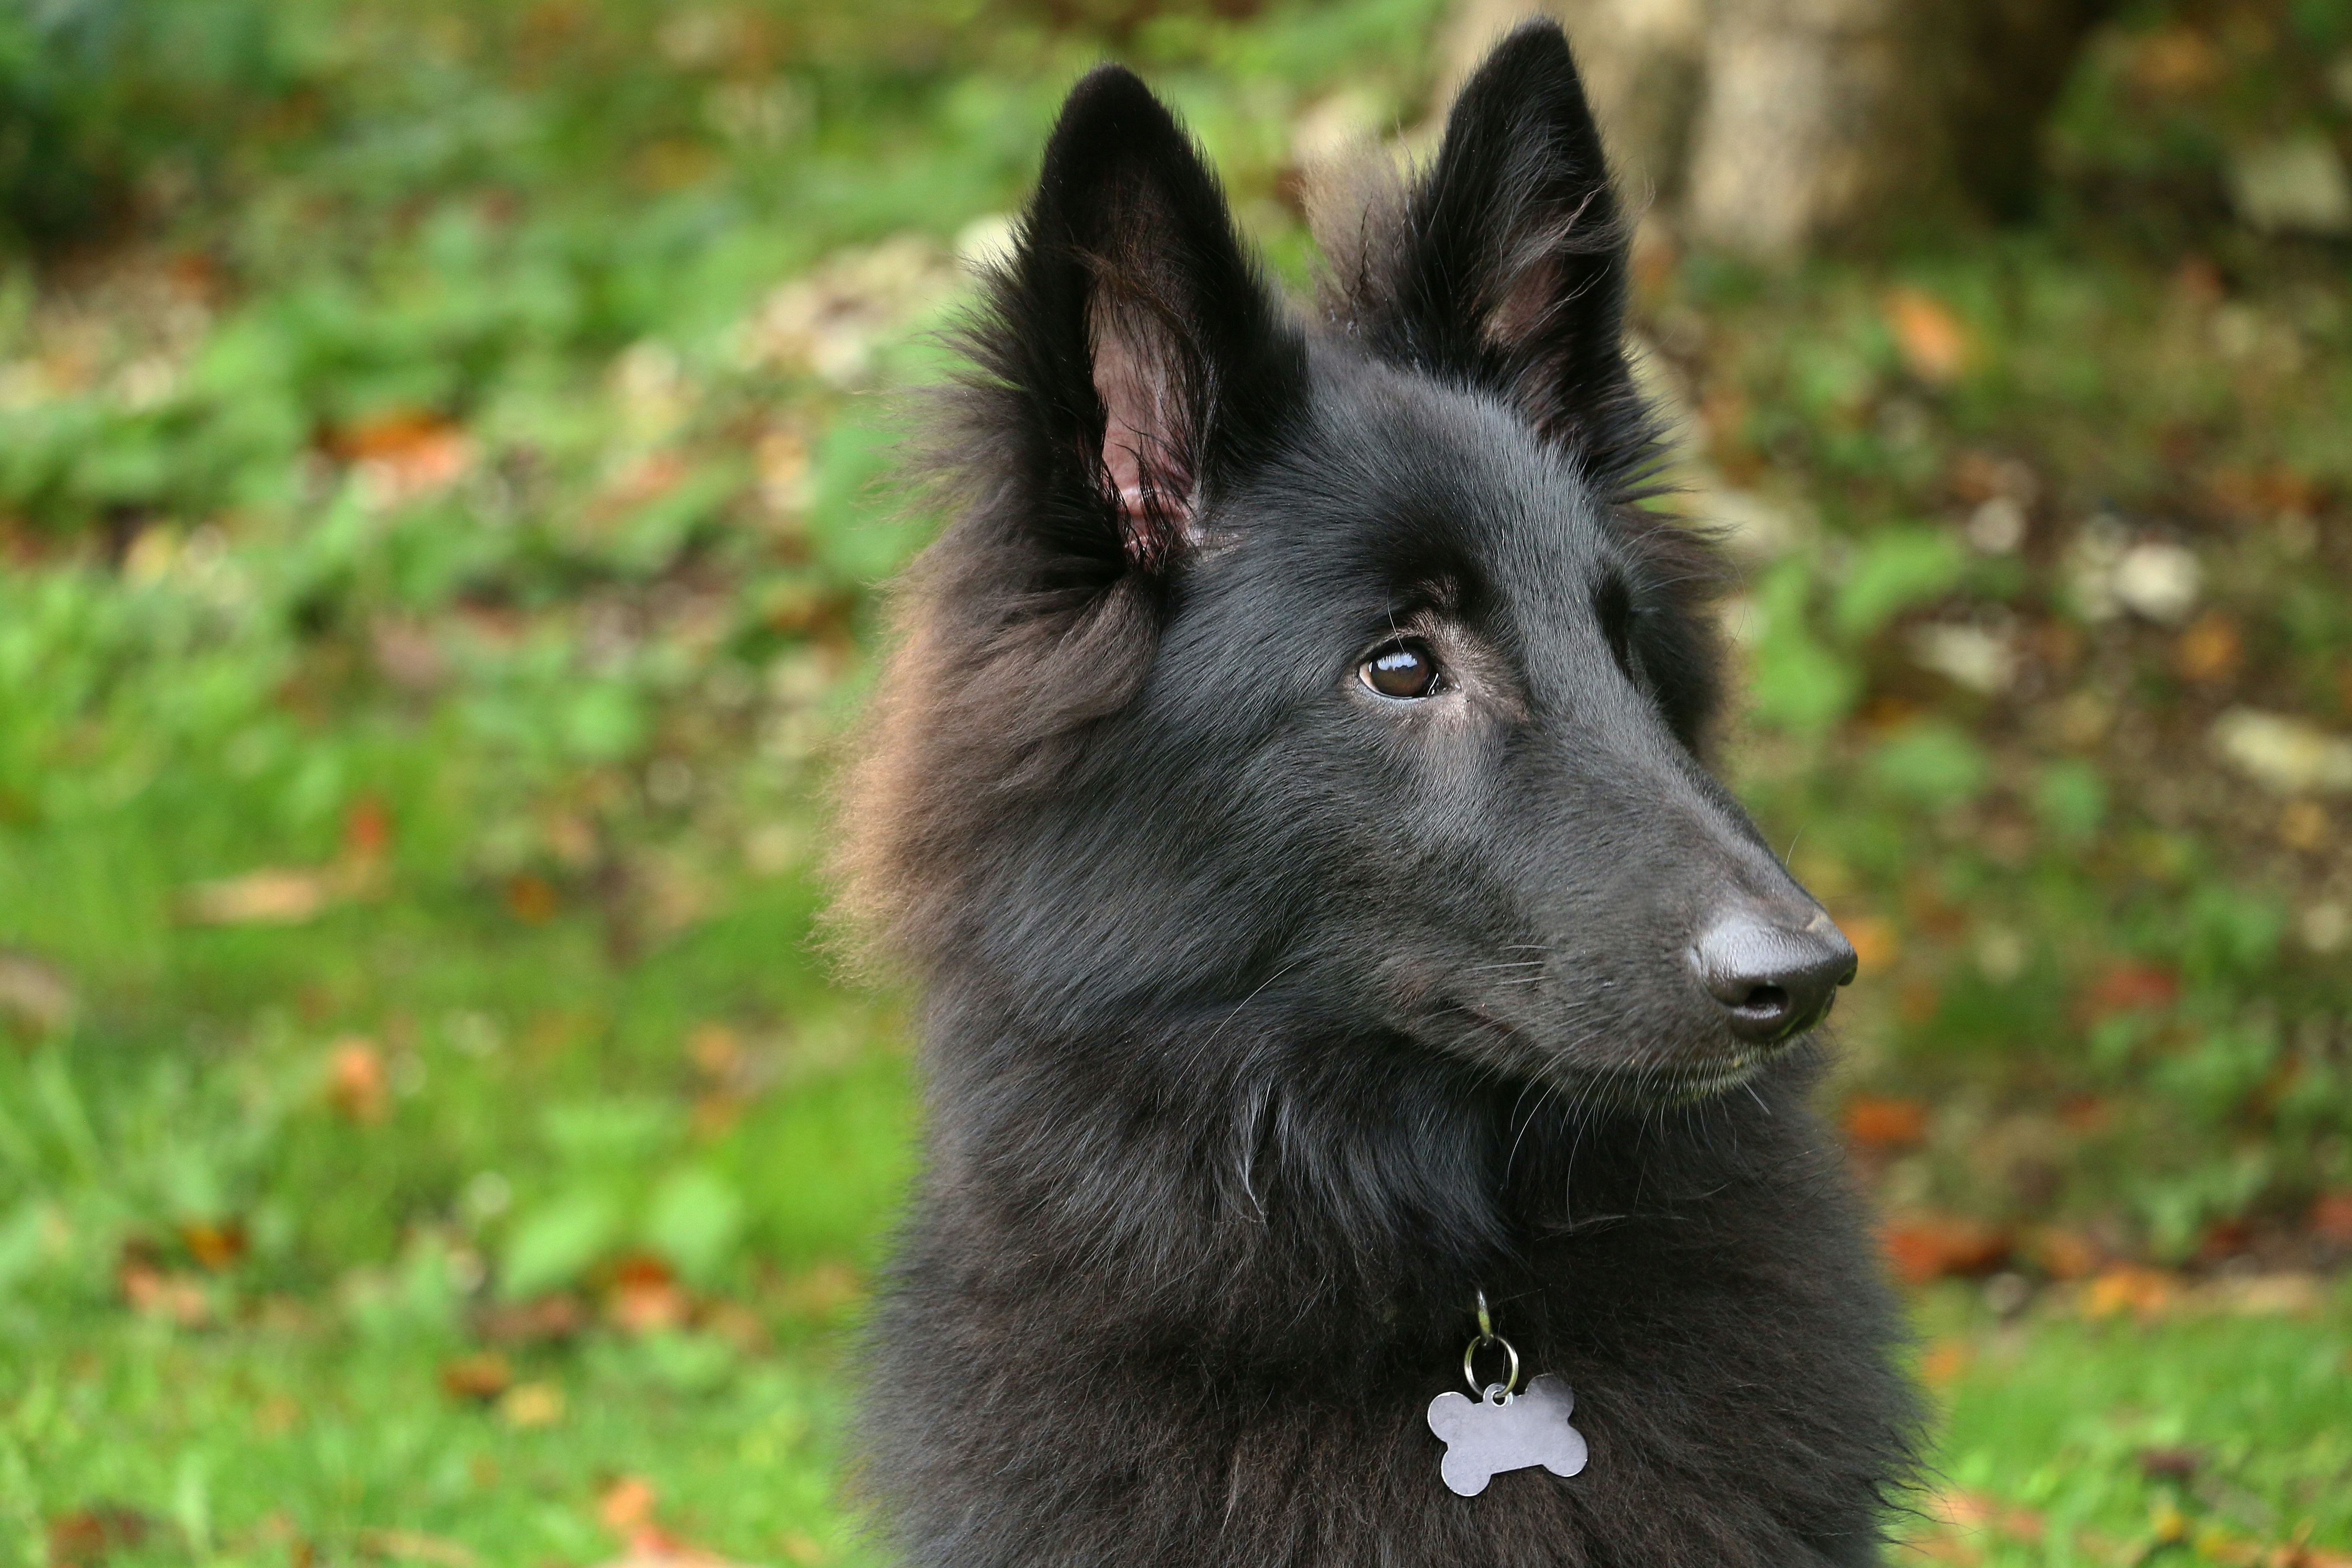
(1775,979)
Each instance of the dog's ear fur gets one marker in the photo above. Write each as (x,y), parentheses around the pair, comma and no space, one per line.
(1142,348)
(1503,266)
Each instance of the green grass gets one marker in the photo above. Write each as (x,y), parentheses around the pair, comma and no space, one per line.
(2108,1435)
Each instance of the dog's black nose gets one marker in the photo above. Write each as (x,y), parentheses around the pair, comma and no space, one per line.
(1774,980)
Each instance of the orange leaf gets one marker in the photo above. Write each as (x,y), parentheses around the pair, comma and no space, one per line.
(355,1079)
(88,1536)
(2131,988)
(1876,942)
(532,899)
(215,1246)
(1934,344)
(367,829)
(1941,1245)
(1876,1122)
(1943,1362)
(482,1376)
(270,897)
(2331,1217)
(627,1504)
(2144,1292)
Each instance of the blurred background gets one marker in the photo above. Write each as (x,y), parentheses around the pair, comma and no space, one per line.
(440,525)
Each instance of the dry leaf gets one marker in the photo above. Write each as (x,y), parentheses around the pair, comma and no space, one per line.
(355,1079)
(1885,1122)
(535,1321)
(2145,1293)
(2211,650)
(216,1245)
(528,1404)
(1934,343)
(273,896)
(1945,1362)
(532,899)
(404,454)
(172,1296)
(483,1377)
(1876,942)
(1939,1247)
(645,1298)
(626,1504)
(2331,1219)
(36,993)
(2131,988)
(87,1536)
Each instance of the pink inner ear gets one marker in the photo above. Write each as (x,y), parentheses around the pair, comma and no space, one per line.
(1141,450)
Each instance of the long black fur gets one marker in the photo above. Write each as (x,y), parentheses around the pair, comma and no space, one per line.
(1267,1020)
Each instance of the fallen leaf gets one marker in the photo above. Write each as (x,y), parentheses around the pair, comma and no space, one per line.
(355,1079)
(2280,1294)
(821,1290)
(536,1322)
(626,1507)
(2211,650)
(2064,1253)
(274,896)
(1876,943)
(2175,61)
(36,994)
(1876,1122)
(367,829)
(2145,1293)
(1940,1247)
(1945,1362)
(1934,344)
(153,1291)
(528,1404)
(626,1504)
(216,1245)
(88,1536)
(1979,1512)
(532,899)
(2303,825)
(482,1376)
(404,454)
(645,1297)
(2130,988)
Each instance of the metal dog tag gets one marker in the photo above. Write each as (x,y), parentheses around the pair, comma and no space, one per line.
(1504,1431)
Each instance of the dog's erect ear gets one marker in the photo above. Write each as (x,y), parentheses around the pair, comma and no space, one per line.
(1504,265)
(1144,349)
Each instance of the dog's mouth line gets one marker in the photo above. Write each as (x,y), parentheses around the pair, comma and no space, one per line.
(1678,1084)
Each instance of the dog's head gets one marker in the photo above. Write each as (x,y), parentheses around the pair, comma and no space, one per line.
(1337,666)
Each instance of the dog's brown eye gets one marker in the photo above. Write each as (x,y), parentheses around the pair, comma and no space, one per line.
(1405,670)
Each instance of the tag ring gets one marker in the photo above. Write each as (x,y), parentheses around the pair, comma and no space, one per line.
(1470,1373)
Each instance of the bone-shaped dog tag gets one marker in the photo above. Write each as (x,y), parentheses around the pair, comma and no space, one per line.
(1483,1437)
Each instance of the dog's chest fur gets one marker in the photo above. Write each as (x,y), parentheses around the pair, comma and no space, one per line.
(1053,1391)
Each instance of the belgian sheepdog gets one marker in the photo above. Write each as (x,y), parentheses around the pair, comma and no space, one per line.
(1288,793)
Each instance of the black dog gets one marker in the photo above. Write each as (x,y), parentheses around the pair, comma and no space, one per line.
(1288,792)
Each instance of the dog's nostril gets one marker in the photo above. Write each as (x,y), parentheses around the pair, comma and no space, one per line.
(1773,980)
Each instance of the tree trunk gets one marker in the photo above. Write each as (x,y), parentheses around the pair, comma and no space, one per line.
(1771,127)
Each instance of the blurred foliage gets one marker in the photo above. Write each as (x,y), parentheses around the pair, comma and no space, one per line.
(443,485)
